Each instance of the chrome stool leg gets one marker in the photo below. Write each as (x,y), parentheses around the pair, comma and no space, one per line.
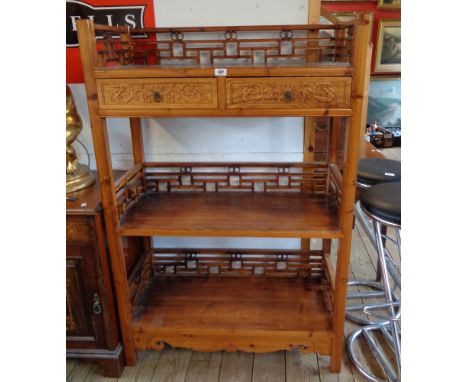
(389,327)
(383,361)
(372,289)
(394,319)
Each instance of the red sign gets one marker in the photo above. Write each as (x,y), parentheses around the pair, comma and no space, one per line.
(132,13)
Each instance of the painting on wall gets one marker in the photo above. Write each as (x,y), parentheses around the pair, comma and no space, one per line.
(384,101)
(388,47)
(389,4)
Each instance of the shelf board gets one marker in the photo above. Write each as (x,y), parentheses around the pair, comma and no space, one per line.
(234,313)
(238,214)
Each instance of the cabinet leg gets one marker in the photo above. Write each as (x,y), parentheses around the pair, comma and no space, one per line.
(113,367)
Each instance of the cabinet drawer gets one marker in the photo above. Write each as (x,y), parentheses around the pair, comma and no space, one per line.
(288,93)
(153,94)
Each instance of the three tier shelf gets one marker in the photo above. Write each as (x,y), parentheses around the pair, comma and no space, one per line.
(228,299)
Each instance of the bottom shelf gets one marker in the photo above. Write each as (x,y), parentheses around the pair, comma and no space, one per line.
(253,314)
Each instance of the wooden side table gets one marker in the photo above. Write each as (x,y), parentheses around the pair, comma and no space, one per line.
(92,327)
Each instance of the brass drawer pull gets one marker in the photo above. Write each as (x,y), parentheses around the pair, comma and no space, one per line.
(288,96)
(321,127)
(157,96)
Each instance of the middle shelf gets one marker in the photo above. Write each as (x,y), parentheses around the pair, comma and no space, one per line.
(231,214)
(230,199)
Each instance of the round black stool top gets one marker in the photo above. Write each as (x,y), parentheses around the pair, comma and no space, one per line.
(378,170)
(383,201)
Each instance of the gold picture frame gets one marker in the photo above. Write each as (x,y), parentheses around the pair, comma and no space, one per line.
(391,4)
(388,47)
(348,16)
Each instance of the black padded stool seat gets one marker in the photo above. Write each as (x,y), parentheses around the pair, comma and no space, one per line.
(378,170)
(384,201)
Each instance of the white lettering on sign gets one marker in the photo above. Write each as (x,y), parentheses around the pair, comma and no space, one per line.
(220,72)
(389,174)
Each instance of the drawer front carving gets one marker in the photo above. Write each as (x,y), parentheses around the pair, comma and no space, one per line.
(151,94)
(290,93)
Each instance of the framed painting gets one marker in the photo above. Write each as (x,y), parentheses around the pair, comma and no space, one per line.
(394,4)
(384,105)
(388,47)
(348,16)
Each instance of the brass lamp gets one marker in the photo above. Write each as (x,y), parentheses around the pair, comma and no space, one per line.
(78,175)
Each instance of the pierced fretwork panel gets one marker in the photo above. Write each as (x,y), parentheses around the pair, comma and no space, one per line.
(263,45)
(242,177)
(246,262)
(129,193)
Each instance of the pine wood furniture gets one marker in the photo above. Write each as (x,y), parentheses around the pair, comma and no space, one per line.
(92,326)
(229,299)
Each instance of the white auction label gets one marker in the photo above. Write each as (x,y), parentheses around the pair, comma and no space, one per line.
(220,72)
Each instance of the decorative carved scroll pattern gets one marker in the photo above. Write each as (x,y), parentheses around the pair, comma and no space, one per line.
(173,93)
(322,93)
(239,177)
(221,45)
(228,262)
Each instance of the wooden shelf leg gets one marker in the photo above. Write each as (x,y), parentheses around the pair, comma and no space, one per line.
(86,38)
(326,245)
(362,60)
(341,286)
(106,181)
(139,158)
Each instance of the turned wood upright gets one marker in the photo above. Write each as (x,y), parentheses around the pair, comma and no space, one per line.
(229,299)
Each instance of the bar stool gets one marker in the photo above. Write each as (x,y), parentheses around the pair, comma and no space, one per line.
(372,171)
(382,204)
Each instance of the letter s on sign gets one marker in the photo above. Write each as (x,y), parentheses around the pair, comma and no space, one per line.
(130,19)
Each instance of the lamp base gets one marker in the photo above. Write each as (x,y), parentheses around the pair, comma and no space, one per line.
(82,178)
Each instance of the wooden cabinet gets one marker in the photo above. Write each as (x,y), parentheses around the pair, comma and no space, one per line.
(91,320)
(211,299)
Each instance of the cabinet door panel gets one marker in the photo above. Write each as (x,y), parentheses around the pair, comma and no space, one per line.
(85,327)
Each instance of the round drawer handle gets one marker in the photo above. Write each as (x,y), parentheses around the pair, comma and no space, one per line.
(157,96)
(320,128)
(288,96)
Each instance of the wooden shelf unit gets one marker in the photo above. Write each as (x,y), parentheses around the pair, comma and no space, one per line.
(229,299)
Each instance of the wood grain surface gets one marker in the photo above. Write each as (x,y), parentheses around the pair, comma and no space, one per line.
(231,214)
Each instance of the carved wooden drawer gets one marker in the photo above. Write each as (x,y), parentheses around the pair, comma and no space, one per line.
(153,94)
(288,93)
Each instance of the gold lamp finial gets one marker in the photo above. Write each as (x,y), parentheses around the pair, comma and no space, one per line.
(78,175)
